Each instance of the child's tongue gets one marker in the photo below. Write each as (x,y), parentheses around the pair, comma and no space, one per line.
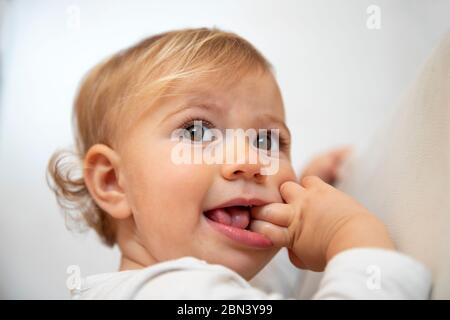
(237,216)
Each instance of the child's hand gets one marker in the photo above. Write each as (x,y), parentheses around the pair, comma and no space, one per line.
(317,222)
(326,165)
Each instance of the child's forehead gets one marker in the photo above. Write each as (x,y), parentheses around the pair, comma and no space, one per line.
(222,99)
(256,91)
(218,89)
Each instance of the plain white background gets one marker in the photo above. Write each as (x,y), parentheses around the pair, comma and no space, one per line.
(339,80)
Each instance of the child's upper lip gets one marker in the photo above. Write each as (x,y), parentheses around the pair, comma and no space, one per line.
(246,202)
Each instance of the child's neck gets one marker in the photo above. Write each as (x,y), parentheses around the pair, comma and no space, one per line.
(134,254)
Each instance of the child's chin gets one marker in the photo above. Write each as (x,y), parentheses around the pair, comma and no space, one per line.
(246,265)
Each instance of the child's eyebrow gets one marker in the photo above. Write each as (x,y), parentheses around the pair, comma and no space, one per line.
(202,106)
(274,119)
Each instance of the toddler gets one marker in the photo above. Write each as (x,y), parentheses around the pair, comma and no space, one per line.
(190,229)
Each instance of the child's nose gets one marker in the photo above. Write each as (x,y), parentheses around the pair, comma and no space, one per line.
(246,171)
(246,165)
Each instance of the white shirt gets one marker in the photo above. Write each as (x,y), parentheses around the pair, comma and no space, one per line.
(361,273)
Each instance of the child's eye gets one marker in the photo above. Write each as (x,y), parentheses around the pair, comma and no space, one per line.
(267,141)
(198,131)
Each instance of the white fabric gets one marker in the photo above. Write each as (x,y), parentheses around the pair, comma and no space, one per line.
(280,275)
(404,174)
(346,277)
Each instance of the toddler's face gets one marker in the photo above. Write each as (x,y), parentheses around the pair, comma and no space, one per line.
(178,209)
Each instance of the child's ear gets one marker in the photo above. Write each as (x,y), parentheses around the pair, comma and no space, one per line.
(103,180)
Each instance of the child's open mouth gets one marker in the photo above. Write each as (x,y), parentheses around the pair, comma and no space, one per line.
(234,221)
(235,216)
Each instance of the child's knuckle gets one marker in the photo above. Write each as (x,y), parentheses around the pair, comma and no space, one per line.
(310,181)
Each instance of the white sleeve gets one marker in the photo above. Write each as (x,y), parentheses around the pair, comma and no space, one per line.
(370,273)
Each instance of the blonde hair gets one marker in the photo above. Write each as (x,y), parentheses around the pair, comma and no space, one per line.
(116,91)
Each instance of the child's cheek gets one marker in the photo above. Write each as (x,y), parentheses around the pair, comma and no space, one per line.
(286,172)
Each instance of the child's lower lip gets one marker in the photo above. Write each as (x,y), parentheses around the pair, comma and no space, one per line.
(243,236)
